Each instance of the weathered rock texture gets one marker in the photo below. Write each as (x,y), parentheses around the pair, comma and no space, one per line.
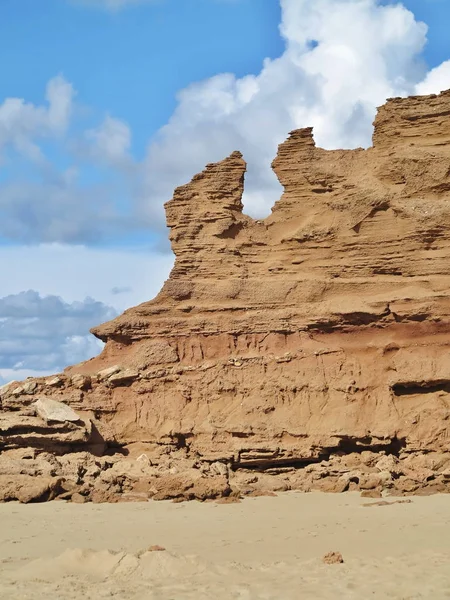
(309,350)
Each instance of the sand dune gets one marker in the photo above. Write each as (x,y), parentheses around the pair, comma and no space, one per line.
(268,548)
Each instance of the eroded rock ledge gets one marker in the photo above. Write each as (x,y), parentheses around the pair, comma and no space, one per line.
(309,350)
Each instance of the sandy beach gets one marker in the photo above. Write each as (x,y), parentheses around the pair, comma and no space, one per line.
(268,548)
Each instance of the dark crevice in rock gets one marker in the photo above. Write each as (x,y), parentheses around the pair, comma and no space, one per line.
(419,317)
(349,445)
(350,319)
(346,446)
(240,434)
(181,440)
(411,388)
(265,464)
(231,232)
(383,206)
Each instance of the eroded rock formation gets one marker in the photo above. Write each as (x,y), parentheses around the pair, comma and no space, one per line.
(309,350)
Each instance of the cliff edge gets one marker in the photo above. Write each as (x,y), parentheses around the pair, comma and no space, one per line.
(304,351)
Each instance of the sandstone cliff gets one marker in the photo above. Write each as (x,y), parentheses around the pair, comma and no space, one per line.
(308,350)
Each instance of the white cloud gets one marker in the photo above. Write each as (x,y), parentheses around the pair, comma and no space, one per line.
(437,80)
(47,204)
(342,59)
(60,94)
(110,142)
(22,123)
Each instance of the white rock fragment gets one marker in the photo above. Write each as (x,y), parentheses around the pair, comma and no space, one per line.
(54,381)
(219,468)
(52,410)
(6,389)
(123,377)
(81,382)
(26,388)
(144,459)
(29,387)
(107,373)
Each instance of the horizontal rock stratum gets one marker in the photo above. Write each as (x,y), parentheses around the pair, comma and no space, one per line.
(308,350)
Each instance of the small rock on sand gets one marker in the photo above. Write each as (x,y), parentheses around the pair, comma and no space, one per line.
(333,558)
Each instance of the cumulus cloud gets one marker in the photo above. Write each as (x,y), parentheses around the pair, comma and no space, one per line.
(48,204)
(437,80)
(39,332)
(46,333)
(342,59)
(21,123)
(110,143)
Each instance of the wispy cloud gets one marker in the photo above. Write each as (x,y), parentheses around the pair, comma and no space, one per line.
(120,290)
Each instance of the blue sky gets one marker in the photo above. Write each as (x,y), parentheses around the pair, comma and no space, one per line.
(107,105)
(133,62)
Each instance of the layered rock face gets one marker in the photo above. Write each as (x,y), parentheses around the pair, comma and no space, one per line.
(308,350)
